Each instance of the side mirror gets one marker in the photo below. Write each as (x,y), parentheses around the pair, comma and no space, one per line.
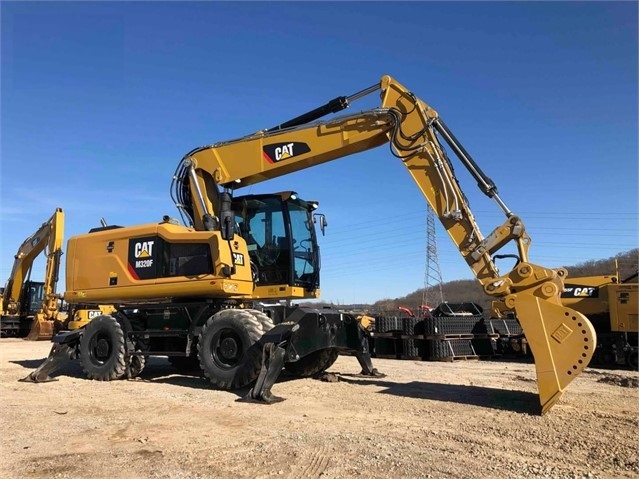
(322,222)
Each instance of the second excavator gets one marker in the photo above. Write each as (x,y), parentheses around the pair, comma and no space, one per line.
(188,290)
(32,308)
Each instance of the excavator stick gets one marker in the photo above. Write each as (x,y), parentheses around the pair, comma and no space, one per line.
(562,342)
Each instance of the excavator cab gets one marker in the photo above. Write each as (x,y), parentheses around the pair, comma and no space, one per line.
(31,298)
(281,241)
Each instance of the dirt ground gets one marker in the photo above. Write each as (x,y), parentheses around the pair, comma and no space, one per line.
(465,419)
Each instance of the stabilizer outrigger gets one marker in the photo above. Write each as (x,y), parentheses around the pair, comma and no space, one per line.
(64,349)
(280,343)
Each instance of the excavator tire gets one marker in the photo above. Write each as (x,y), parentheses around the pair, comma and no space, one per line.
(229,350)
(102,349)
(312,364)
(264,319)
(137,365)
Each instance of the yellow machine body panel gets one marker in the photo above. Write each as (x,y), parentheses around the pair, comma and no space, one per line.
(283,291)
(588,294)
(84,314)
(624,306)
(152,262)
(599,295)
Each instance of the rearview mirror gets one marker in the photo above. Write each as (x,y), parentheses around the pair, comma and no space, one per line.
(322,222)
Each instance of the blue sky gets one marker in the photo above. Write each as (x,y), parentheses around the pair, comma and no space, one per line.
(100,100)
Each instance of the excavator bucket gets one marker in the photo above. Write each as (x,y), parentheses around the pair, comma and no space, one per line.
(562,342)
(42,329)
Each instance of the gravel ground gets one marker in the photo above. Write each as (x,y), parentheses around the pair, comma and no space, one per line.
(465,419)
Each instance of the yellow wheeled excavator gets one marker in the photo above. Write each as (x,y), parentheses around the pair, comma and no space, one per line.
(187,290)
(32,308)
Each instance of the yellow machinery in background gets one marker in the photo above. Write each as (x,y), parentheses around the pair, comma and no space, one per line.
(32,308)
(612,307)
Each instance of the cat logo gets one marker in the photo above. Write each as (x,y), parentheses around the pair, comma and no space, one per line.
(143,251)
(238,259)
(584,292)
(574,291)
(283,151)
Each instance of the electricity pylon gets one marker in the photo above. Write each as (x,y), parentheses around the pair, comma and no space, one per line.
(433,294)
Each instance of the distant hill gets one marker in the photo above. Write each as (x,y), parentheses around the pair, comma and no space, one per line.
(467,290)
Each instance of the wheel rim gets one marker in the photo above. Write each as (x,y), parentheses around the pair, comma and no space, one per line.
(226,347)
(100,349)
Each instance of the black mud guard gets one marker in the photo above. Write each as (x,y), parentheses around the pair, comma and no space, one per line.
(67,337)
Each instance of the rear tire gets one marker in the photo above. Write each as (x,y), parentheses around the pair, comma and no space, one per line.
(102,349)
(314,363)
(136,365)
(228,348)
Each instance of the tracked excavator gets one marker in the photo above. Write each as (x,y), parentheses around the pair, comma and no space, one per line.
(187,290)
(31,308)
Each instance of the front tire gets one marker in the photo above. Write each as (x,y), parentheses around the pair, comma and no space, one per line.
(102,349)
(136,365)
(229,350)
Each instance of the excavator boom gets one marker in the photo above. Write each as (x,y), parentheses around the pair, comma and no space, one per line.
(561,339)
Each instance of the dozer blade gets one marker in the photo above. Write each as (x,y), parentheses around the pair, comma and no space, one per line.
(562,342)
(41,330)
